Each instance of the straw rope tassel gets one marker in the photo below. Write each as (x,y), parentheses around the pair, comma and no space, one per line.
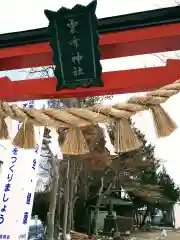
(164,124)
(3,129)
(125,137)
(25,137)
(75,143)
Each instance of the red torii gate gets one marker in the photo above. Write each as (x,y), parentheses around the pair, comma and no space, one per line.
(127,35)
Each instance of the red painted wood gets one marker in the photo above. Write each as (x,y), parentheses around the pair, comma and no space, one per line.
(127,81)
(113,45)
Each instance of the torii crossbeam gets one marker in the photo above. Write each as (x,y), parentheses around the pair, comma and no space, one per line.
(127,35)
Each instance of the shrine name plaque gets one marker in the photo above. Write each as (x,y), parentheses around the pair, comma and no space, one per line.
(75,46)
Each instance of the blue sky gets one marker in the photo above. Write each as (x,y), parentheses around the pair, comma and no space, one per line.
(21,15)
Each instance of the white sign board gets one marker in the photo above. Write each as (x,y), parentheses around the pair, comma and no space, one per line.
(18,181)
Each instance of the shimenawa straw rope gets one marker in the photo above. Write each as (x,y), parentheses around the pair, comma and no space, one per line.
(126,139)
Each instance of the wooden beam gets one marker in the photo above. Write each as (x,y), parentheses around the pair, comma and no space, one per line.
(113,45)
(127,81)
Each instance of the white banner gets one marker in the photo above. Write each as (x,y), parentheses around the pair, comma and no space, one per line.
(18,181)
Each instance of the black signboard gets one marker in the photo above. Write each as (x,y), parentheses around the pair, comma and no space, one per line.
(74,42)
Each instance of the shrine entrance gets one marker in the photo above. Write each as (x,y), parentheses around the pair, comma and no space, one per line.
(72,46)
